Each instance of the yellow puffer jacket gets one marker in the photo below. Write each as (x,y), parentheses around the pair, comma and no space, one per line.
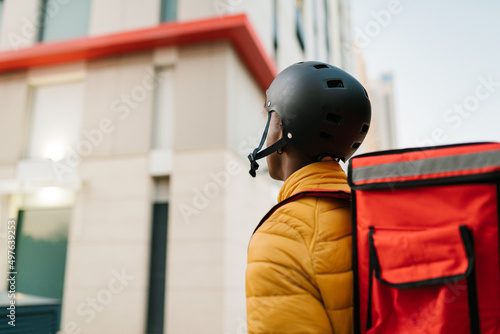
(299,273)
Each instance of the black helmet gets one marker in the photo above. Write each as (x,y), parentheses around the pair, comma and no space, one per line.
(324,111)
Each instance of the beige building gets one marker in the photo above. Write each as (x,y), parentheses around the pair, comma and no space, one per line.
(124,131)
(383,134)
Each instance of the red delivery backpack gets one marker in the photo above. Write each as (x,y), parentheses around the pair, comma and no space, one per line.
(426,240)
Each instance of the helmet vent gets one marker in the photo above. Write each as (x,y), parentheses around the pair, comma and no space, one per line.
(320,66)
(364,90)
(335,119)
(326,136)
(355,145)
(364,129)
(335,84)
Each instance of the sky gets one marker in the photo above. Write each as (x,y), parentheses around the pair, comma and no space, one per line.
(445,59)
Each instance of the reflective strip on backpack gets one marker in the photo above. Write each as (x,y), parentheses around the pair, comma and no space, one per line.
(453,163)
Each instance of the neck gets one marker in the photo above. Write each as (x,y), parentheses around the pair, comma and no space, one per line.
(293,161)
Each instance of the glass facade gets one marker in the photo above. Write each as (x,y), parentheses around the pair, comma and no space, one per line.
(64,20)
(42,238)
(168,10)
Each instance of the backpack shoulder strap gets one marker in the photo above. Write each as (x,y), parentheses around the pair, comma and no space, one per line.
(340,194)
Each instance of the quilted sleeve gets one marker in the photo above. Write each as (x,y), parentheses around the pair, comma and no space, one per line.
(282,295)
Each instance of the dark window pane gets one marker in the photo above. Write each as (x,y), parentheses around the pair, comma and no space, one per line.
(156,300)
(42,237)
(299,25)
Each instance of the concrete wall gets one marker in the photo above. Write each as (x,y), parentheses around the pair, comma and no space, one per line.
(111,16)
(110,232)
(14,97)
(20,24)
(200,92)
(214,210)
(107,265)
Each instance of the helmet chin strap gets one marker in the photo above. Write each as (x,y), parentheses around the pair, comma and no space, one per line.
(256,154)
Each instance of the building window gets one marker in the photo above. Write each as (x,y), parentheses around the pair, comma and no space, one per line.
(343,34)
(54,121)
(316,29)
(168,10)
(299,23)
(327,31)
(42,237)
(157,276)
(275,27)
(164,109)
(63,19)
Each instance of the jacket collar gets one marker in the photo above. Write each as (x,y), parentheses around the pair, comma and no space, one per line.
(319,175)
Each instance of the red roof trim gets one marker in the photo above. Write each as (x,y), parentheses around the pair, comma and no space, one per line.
(236,29)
